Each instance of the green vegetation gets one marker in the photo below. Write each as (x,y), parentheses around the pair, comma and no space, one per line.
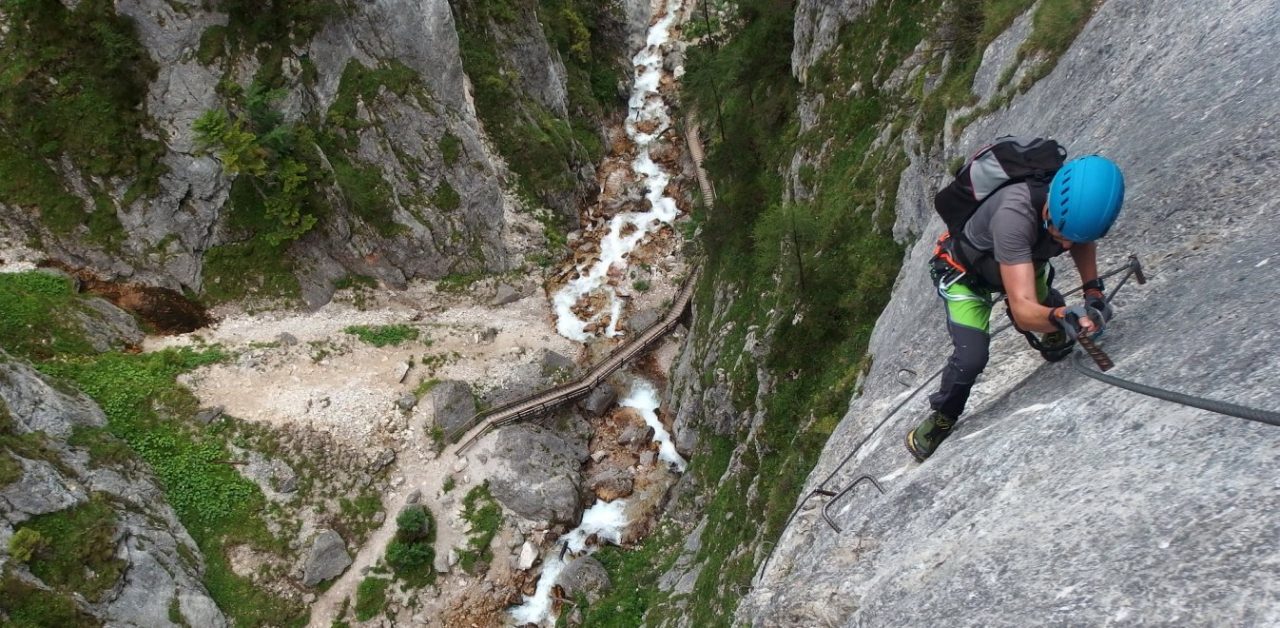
(279,23)
(485,516)
(445,198)
(371,597)
(26,543)
(383,335)
(10,469)
(450,149)
(25,606)
(36,320)
(72,83)
(276,199)
(74,549)
(633,598)
(410,554)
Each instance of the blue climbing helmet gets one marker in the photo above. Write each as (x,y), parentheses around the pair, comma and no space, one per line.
(1085,198)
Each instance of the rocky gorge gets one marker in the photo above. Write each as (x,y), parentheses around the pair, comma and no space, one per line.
(388,216)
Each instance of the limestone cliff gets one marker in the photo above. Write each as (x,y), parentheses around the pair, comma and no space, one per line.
(376,162)
(1061,500)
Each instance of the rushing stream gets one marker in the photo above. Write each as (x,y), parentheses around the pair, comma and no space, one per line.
(604,521)
(647,120)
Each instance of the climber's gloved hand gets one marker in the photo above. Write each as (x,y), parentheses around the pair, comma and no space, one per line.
(1078,320)
(1095,299)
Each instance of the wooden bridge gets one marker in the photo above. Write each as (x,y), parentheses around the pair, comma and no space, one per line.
(540,403)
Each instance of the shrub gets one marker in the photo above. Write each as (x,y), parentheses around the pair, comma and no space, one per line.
(371,597)
(26,543)
(414,523)
(405,556)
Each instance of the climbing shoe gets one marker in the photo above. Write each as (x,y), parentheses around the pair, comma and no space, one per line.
(1055,347)
(924,440)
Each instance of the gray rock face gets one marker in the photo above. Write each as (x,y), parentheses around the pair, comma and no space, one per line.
(40,490)
(328,558)
(169,232)
(453,404)
(537,476)
(1059,497)
(586,576)
(817,27)
(108,327)
(36,406)
(149,537)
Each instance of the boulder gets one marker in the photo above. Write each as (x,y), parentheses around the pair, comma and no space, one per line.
(108,327)
(286,339)
(505,294)
(584,576)
(554,364)
(636,435)
(328,558)
(453,404)
(643,319)
(208,415)
(536,475)
(407,401)
(528,556)
(611,484)
(600,399)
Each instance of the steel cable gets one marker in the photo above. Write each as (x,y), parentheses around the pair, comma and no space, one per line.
(1212,405)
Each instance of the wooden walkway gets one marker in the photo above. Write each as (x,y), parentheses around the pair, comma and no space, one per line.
(539,403)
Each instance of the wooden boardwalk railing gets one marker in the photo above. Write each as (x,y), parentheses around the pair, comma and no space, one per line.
(539,403)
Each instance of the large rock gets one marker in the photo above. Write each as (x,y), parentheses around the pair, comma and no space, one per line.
(584,576)
(37,406)
(537,475)
(328,558)
(600,399)
(453,404)
(1059,497)
(40,490)
(108,327)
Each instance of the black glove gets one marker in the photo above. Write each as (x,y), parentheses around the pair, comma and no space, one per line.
(1068,318)
(1095,299)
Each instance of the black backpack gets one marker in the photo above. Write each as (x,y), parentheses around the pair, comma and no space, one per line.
(1006,161)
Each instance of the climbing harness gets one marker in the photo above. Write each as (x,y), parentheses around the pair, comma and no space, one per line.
(1132,269)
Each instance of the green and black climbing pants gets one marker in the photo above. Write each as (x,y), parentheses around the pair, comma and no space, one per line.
(968,306)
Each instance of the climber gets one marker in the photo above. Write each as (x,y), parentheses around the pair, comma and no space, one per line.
(1004,246)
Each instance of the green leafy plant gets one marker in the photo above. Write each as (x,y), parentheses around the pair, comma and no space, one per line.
(482,512)
(383,335)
